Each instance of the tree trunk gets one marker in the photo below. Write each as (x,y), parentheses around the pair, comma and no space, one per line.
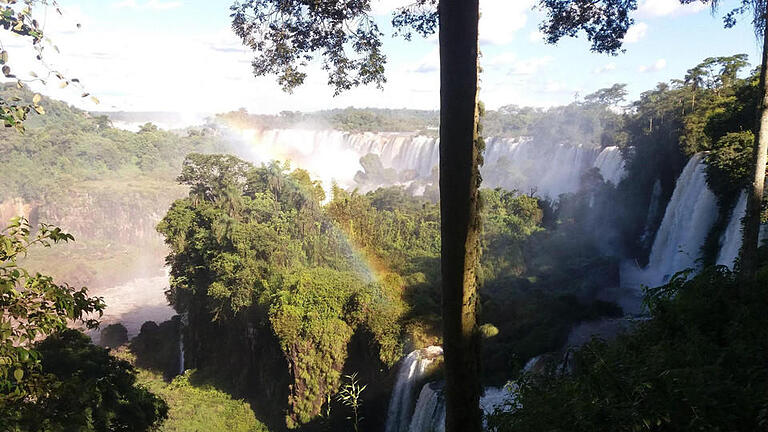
(748,256)
(460,223)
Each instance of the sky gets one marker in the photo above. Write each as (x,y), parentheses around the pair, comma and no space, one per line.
(182,56)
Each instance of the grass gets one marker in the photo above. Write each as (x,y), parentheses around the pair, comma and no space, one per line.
(196,408)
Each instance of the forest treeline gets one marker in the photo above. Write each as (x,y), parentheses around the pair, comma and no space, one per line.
(67,146)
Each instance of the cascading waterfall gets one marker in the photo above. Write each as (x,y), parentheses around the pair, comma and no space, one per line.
(411,371)
(428,414)
(689,216)
(524,164)
(610,162)
(730,241)
(181,354)
(183,321)
(518,163)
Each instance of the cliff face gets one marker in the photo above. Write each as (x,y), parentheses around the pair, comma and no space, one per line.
(114,228)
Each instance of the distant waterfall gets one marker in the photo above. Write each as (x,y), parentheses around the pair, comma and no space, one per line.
(516,163)
(183,321)
(181,354)
(411,371)
(610,162)
(763,234)
(524,164)
(689,216)
(730,241)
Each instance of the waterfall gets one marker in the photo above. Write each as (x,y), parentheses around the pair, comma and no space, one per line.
(730,241)
(689,216)
(411,371)
(610,162)
(429,415)
(183,321)
(181,354)
(518,163)
(524,164)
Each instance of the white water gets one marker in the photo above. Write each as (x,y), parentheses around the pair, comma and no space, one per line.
(730,241)
(763,234)
(134,303)
(333,156)
(610,162)
(183,321)
(428,414)
(526,165)
(689,216)
(411,371)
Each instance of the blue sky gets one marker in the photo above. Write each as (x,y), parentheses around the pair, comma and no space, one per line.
(180,55)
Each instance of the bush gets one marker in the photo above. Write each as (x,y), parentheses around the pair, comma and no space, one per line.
(90,391)
(113,335)
(697,364)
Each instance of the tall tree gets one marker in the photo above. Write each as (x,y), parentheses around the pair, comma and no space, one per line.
(459,211)
(751,228)
(605,23)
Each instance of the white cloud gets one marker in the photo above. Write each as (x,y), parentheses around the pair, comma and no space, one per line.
(386,7)
(553,86)
(504,59)
(501,19)
(150,4)
(655,67)
(636,32)
(430,63)
(605,68)
(530,66)
(536,36)
(660,8)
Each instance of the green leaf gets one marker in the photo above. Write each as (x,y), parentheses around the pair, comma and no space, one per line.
(18,374)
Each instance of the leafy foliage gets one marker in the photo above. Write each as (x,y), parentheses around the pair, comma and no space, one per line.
(253,245)
(287,34)
(18,18)
(605,22)
(33,307)
(67,146)
(91,390)
(194,403)
(697,364)
(351,396)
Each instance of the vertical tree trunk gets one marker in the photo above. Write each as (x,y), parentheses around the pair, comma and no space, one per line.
(460,223)
(751,232)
